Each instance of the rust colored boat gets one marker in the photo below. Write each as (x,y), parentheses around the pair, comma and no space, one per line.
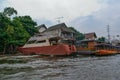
(86,47)
(106,49)
(60,49)
(56,40)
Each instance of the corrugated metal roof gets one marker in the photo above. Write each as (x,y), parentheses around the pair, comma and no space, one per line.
(90,35)
(61,26)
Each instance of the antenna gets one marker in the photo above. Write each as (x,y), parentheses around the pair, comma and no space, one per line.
(108,31)
(58,19)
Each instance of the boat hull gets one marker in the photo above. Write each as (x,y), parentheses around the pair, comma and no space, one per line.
(105,52)
(86,52)
(61,49)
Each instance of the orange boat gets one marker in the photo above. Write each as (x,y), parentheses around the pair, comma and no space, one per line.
(56,40)
(47,46)
(106,49)
(86,47)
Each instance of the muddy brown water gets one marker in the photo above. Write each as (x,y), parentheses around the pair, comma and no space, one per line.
(60,68)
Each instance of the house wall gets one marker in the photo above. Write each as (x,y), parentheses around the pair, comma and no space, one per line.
(91,38)
(91,45)
(53,33)
(58,32)
(42,29)
(67,35)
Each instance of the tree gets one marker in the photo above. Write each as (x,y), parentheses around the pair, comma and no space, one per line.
(101,39)
(28,24)
(4,25)
(9,11)
(16,31)
(78,35)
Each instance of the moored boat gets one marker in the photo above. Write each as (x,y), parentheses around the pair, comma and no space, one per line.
(56,40)
(86,52)
(86,47)
(106,49)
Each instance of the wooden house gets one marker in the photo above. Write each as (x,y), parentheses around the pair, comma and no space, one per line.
(60,31)
(56,34)
(88,43)
(90,36)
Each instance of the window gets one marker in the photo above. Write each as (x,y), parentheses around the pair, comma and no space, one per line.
(31,42)
(43,41)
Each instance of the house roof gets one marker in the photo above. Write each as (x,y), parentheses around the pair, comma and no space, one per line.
(61,26)
(42,25)
(90,35)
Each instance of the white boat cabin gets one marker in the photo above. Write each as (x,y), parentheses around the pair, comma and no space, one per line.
(54,35)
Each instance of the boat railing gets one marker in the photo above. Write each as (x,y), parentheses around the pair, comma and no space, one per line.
(68,37)
(108,48)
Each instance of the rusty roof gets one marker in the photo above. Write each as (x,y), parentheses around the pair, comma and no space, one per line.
(90,35)
(61,26)
(42,25)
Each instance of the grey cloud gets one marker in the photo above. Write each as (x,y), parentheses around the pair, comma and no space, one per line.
(98,20)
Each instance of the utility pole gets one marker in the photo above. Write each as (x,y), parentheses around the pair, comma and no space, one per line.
(108,31)
(59,19)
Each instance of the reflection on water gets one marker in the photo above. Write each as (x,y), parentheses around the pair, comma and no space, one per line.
(60,68)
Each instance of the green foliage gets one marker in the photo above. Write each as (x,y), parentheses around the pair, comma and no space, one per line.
(28,24)
(101,39)
(9,11)
(16,31)
(78,35)
(21,35)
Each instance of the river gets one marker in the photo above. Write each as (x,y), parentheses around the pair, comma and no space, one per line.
(60,68)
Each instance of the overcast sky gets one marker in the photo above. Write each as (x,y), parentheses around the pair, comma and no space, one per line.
(84,15)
